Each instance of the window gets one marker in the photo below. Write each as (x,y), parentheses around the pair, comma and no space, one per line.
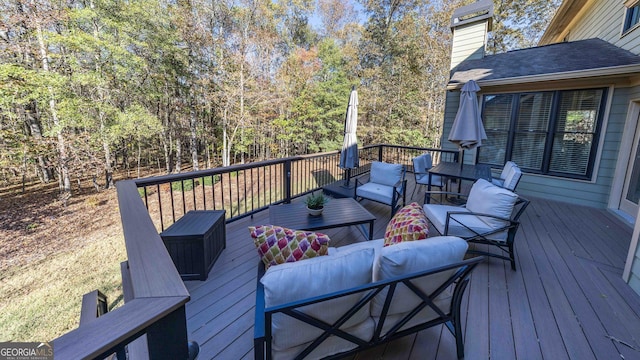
(550,132)
(632,17)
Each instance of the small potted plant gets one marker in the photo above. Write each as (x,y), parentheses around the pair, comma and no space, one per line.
(315,203)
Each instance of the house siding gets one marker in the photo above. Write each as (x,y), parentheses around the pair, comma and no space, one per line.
(468,42)
(604,20)
(452,100)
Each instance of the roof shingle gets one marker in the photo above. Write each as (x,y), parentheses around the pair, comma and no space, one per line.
(549,59)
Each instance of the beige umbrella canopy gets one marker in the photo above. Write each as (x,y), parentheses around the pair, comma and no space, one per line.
(467,130)
(349,153)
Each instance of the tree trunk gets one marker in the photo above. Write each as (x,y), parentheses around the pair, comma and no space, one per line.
(208,151)
(178,166)
(166,140)
(193,143)
(108,170)
(225,143)
(63,167)
(138,160)
(35,129)
(242,107)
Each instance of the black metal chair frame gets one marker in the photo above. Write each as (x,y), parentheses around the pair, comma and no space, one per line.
(506,246)
(451,319)
(400,189)
(417,172)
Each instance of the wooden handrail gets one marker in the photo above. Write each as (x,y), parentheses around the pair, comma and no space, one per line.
(152,270)
(159,295)
(120,326)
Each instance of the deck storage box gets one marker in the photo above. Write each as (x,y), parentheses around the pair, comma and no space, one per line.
(195,241)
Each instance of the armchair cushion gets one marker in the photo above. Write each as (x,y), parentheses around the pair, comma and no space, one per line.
(277,245)
(385,174)
(508,166)
(376,192)
(486,198)
(437,215)
(512,179)
(421,166)
(408,224)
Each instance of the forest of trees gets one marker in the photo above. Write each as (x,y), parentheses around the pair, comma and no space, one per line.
(88,86)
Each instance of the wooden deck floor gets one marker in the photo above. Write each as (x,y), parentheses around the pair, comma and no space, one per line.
(567,299)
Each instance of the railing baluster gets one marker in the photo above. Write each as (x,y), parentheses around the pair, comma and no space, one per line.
(204,194)
(231,194)
(287,181)
(222,202)
(146,197)
(238,190)
(173,208)
(160,208)
(252,194)
(244,190)
(213,191)
(193,191)
(184,202)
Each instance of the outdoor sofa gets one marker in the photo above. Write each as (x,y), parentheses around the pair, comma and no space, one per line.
(359,296)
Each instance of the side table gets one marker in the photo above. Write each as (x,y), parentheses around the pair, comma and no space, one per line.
(195,241)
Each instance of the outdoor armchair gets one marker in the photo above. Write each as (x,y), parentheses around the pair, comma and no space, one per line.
(386,185)
(490,216)
(509,177)
(421,166)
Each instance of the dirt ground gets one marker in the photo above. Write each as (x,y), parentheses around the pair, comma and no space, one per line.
(36,223)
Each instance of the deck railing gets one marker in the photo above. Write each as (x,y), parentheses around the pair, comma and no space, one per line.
(152,321)
(246,189)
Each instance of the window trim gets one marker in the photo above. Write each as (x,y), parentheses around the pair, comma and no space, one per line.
(628,27)
(597,142)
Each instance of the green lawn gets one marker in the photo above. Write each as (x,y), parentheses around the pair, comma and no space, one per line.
(41,300)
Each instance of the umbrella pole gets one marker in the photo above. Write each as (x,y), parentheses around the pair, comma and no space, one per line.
(347,177)
(461,158)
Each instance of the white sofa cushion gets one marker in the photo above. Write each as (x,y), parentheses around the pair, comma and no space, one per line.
(486,198)
(340,270)
(385,173)
(375,245)
(410,257)
(376,192)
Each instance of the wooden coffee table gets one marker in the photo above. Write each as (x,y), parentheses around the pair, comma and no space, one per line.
(337,213)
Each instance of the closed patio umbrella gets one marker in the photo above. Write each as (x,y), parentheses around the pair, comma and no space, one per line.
(349,153)
(467,130)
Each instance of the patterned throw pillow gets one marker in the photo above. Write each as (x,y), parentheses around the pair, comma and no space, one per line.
(408,224)
(277,245)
